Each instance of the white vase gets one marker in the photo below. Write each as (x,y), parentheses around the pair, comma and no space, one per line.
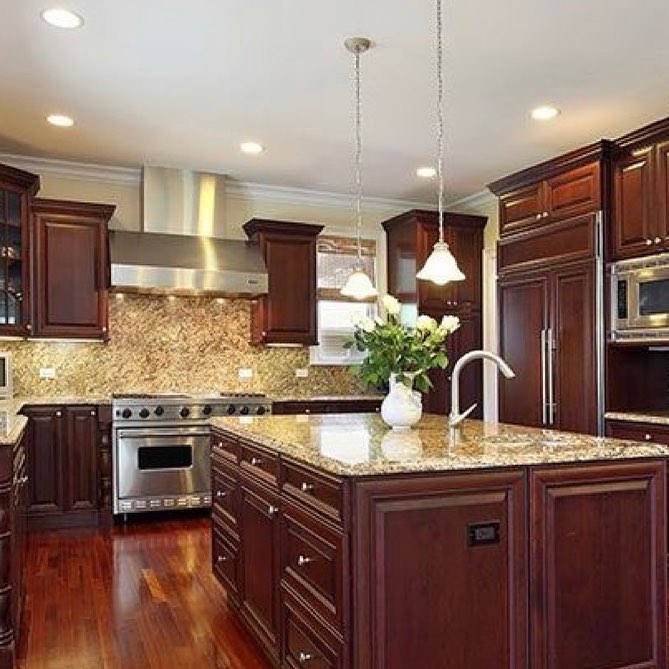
(402,407)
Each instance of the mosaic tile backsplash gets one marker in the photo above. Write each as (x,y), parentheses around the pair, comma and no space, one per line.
(180,344)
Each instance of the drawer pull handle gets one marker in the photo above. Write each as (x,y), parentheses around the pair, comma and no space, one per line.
(272,510)
(657,240)
(221,558)
(221,493)
(647,437)
(649,242)
(307,487)
(303,560)
(538,217)
(256,461)
(220,444)
(303,657)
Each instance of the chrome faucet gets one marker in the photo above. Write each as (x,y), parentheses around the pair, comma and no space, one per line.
(455,417)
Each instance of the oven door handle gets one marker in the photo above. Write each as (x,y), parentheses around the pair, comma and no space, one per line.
(152,434)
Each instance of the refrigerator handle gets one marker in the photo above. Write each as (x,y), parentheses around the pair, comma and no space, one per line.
(550,342)
(544,418)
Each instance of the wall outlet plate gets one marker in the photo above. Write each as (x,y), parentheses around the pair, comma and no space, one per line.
(47,372)
(302,373)
(245,373)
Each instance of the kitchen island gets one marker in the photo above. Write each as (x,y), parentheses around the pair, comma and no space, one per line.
(344,544)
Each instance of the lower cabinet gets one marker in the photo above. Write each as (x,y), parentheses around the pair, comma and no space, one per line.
(333,405)
(63,455)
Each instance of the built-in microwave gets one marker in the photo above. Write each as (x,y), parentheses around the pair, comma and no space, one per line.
(6,377)
(640,299)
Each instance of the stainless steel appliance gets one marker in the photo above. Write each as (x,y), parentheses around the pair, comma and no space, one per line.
(640,299)
(6,376)
(161,447)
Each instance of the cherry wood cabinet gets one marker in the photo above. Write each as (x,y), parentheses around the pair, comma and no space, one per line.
(634,431)
(287,314)
(16,189)
(411,237)
(328,405)
(67,463)
(589,609)
(70,241)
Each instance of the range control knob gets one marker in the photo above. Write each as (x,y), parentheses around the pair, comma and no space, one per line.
(206,410)
(126,413)
(244,411)
(144,413)
(261,410)
(185,412)
(159,411)
(231,409)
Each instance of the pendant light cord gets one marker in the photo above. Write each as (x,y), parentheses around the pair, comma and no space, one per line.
(440,118)
(358,156)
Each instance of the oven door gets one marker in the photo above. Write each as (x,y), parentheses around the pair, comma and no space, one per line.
(648,298)
(162,461)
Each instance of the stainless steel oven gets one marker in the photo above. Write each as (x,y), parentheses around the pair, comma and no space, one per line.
(640,299)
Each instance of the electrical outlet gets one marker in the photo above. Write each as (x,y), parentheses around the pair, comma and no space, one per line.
(47,372)
(302,373)
(245,373)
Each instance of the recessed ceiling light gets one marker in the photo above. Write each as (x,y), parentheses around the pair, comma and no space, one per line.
(426,172)
(251,147)
(60,120)
(544,113)
(62,18)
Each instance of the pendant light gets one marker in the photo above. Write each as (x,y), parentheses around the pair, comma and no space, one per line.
(359,286)
(441,267)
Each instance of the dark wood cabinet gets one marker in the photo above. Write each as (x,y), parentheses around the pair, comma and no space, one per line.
(328,405)
(588,608)
(411,237)
(287,314)
(650,432)
(70,241)
(66,464)
(16,189)
(548,337)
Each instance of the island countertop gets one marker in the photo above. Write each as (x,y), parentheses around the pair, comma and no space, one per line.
(362,445)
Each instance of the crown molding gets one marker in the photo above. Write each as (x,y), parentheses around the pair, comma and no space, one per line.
(476,201)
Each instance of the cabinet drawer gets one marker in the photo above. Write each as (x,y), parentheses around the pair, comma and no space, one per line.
(224,492)
(224,446)
(313,563)
(307,643)
(259,462)
(324,494)
(658,434)
(521,209)
(225,562)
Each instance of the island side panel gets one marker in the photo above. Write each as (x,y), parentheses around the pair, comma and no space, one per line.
(598,566)
(426,595)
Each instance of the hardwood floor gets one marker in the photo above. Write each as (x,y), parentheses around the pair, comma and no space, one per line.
(141,597)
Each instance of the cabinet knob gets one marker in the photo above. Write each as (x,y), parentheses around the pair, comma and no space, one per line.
(545,215)
(307,411)
(307,487)
(272,510)
(29,327)
(256,461)
(538,217)
(657,240)
(23,480)
(303,658)
(220,444)
(647,437)
(220,493)
(59,414)
(92,412)
(221,558)
(649,242)
(302,560)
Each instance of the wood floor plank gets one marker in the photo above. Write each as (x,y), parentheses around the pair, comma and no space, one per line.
(140,597)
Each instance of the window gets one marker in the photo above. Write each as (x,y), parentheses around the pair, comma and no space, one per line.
(336,314)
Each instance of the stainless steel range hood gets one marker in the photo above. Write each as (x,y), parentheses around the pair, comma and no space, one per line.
(180,249)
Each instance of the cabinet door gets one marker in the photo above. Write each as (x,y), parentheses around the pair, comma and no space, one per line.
(81,467)
(633,193)
(290,306)
(573,193)
(441,573)
(598,566)
(662,161)
(574,351)
(70,297)
(523,320)
(521,209)
(45,457)
(259,532)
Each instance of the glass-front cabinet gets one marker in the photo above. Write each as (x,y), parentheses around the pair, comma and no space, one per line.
(16,187)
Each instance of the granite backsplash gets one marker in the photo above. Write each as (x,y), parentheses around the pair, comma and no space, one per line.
(159,343)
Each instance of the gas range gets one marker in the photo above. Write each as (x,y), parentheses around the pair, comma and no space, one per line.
(181,407)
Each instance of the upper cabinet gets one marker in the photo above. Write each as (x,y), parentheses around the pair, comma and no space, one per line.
(71,266)
(551,192)
(16,190)
(641,193)
(287,314)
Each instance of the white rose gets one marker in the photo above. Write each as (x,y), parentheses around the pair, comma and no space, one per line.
(354,317)
(426,323)
(366,324)
(391,305)
(449,324)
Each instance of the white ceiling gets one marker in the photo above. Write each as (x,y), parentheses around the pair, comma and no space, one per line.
(182,82)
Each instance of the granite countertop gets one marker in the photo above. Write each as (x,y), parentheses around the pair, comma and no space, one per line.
(654,417)
(361,444)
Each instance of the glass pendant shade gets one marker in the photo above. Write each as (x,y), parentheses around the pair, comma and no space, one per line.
(359,286)
(441,267)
